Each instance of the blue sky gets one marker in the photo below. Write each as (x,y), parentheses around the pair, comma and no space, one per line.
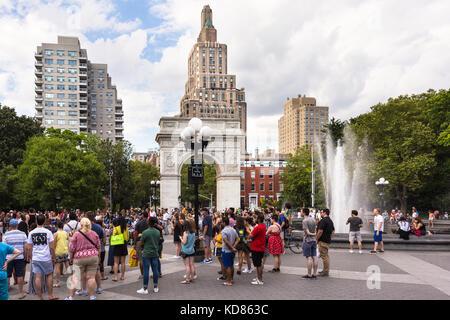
(349,55)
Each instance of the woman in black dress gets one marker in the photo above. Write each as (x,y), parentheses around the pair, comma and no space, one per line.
(177,233)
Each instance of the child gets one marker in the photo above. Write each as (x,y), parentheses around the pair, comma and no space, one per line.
(218,250)
(61,252)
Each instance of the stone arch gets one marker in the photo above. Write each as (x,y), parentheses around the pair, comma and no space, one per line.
(224,150)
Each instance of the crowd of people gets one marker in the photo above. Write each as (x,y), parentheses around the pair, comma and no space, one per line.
(74,243)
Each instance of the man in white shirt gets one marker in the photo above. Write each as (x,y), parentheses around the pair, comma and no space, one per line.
(378,222)
(166,217)
(41,247)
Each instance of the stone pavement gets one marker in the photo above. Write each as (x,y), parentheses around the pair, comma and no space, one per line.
(403,275)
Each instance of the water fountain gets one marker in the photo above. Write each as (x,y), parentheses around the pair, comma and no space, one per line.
(344,180)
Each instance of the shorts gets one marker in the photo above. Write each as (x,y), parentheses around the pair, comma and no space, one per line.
(241,246)
(257,257)
(354,235)
(207,241)
(377,238)
(89,264)
(62,258)
(138,252)
(219,252)
(4,295)
(42,267)
(309,249)
(18,265)
(228,259)
(185,255)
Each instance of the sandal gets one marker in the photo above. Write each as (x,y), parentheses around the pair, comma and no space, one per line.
(185,282)
(53,298)
(56,285)
(104,278)
(115,280)
(227,284)
(23,296)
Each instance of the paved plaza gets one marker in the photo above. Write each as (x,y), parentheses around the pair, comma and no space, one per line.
(404,276)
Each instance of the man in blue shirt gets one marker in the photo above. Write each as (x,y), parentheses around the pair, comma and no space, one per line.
(4,251)
(207,234)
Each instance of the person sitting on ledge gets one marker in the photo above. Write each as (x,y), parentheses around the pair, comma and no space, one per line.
(418,228)
(403,228)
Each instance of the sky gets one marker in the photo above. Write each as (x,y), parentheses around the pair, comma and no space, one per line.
(348,54)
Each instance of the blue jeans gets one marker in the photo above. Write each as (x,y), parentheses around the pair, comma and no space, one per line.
(153,262)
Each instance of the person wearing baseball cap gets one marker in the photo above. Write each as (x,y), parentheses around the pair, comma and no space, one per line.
(16,239)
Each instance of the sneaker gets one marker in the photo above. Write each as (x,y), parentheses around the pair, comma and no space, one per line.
(360,252)
(247,270)
(373,252)
(221,279)
(81,293)
(195,276)
(92,298)
(257,282)
(307,277)
(219,272)
(209,261)
(68,298)
(176,257)
(142,291)
(321,274)
(155,290)
(99,291)
(351,251)
(250,270)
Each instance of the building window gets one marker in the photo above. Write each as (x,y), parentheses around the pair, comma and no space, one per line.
(72,53)
(61,87)
(72,79)
(72,96)
(49,95)
(49,122)
(242,187)
(48,69)
(73,113)
(261,174)
(73,122)
(48,112)
(61,122)
(60,79)
(60,53)
(261,186)
(253,186)
(48,87)
(242,174)
(48,61)
(60,62)
(61,113)
(72,62)
(48,52)
(61,104)
(72,88)
(60,95)
(271,186)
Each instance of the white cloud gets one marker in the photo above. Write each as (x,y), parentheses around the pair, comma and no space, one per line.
(348,54)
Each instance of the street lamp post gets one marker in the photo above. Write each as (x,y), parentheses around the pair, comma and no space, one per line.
(154,184)
(110,173)
(196,136)
(381,183)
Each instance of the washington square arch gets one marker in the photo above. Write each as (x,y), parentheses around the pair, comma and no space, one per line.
(224,150)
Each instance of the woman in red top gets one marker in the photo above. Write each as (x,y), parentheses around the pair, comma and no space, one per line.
(276,246)
(84,253)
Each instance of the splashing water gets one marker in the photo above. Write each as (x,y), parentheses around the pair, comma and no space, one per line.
(343,180)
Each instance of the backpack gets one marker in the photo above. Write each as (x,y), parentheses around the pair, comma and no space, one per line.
(72,230)
(286,222)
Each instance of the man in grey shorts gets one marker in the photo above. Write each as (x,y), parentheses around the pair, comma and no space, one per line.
(355,234)
(207,234)
(41,247)
(309,246)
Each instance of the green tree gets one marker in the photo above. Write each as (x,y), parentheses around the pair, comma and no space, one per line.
(206,189)
(335,129)
(14,133)
(142,175)
(297,179)
(52,166)
(403,144)
(8,187)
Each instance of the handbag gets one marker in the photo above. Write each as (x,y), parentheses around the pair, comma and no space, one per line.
(117,239)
